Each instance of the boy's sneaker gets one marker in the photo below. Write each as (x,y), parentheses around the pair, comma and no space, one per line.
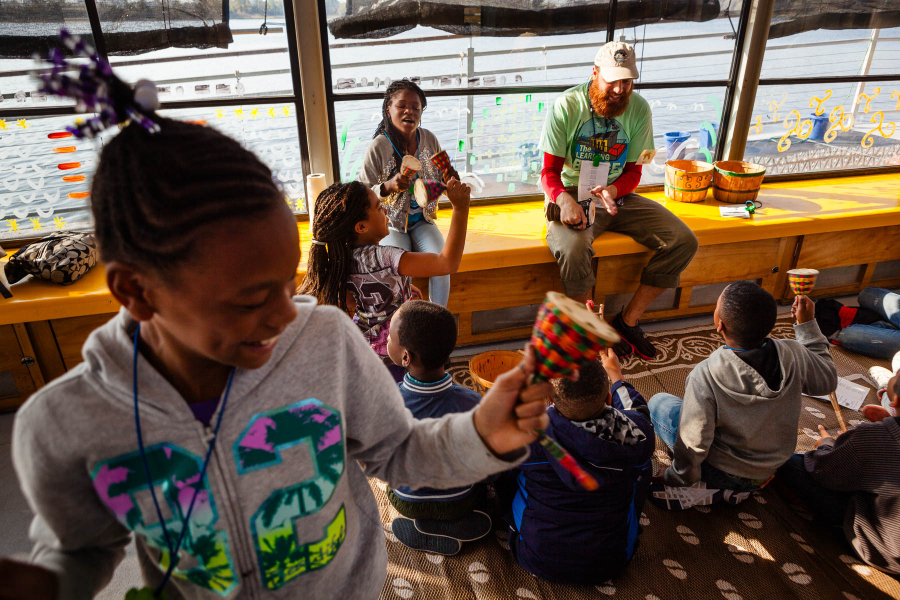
(667,497)
(635,338)
(467,528)
(880,376)
(405,530)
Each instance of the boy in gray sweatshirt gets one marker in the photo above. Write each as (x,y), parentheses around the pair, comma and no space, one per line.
(738,420)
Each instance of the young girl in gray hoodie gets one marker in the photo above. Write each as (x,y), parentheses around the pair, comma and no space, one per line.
(227,424)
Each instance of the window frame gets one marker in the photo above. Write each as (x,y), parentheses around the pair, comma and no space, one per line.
(729,105)
(729,84)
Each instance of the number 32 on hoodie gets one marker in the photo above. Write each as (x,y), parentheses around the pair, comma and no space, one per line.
(206,558)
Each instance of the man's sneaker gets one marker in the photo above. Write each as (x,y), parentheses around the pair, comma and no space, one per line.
(880,376)
(623,349)
(405,530)
(634,336)
(467,528)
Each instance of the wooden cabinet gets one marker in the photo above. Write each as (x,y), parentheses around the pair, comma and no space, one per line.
(20,374)
(34,353)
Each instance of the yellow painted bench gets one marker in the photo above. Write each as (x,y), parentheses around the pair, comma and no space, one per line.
(819,224)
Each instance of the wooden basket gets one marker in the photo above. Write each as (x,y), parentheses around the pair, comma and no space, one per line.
(487,366)
(687,180)
(735,181)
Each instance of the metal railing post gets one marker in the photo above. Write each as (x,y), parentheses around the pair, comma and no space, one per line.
(313,87)
(611,20)
(744,97)
(867,63)
(470,105)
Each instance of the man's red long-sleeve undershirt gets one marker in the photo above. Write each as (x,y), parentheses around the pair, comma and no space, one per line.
(551,177)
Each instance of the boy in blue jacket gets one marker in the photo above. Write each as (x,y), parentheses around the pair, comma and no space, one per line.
(558,530)
(421,337)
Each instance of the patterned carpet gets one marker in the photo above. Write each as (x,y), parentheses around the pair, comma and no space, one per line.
(762,548)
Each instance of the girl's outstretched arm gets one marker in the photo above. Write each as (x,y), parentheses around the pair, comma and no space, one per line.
(428,264)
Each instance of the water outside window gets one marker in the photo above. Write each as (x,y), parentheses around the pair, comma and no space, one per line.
(45,174)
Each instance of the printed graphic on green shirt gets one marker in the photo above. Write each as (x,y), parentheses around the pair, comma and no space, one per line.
(573,131)
(603,137)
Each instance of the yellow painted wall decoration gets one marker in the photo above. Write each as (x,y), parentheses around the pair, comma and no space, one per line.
(757,129)
(774,106)
(796,126)
(877,118)
(869,99)
(817,103)
(837,120)
(840,121)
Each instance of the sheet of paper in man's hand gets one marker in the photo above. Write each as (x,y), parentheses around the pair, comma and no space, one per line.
(849,395)
(591,175)
(646,157)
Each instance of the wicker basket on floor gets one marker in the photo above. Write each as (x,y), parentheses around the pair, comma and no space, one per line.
(487,366)
(687,180)
(735,181)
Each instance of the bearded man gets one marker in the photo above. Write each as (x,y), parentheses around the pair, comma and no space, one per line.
(603,121)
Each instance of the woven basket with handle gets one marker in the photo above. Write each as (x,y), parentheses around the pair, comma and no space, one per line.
(487,366)
(687,180)
(735,181)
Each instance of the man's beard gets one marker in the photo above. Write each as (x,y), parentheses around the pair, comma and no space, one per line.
(604,105)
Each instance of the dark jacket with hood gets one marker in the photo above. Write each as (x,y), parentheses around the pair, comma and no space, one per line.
(565,533)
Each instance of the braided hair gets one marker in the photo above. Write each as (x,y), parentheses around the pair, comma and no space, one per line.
(152,192)
(386,126)
(338,209)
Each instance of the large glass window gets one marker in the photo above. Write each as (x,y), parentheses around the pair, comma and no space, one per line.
(233,77)
(820,105)
(821,127)
(466,58)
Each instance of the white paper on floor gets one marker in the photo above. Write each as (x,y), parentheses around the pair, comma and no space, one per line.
(849,395)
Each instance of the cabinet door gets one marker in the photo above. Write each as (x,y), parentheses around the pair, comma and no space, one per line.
(16,382)
(71,334)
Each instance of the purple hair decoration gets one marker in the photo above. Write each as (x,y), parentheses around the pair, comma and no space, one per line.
(97,89)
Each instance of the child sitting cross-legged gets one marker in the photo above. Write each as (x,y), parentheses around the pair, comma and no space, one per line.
(738,420)
(558,530)
(422,336)
(853,482)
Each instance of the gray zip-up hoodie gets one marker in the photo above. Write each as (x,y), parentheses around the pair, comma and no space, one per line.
(732,419)
(285,510)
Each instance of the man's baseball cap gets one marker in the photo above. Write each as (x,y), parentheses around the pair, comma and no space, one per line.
(616,61)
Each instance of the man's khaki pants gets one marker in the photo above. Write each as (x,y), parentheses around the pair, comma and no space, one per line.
(644,220)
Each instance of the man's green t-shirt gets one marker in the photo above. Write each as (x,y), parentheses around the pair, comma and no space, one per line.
(571,132)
